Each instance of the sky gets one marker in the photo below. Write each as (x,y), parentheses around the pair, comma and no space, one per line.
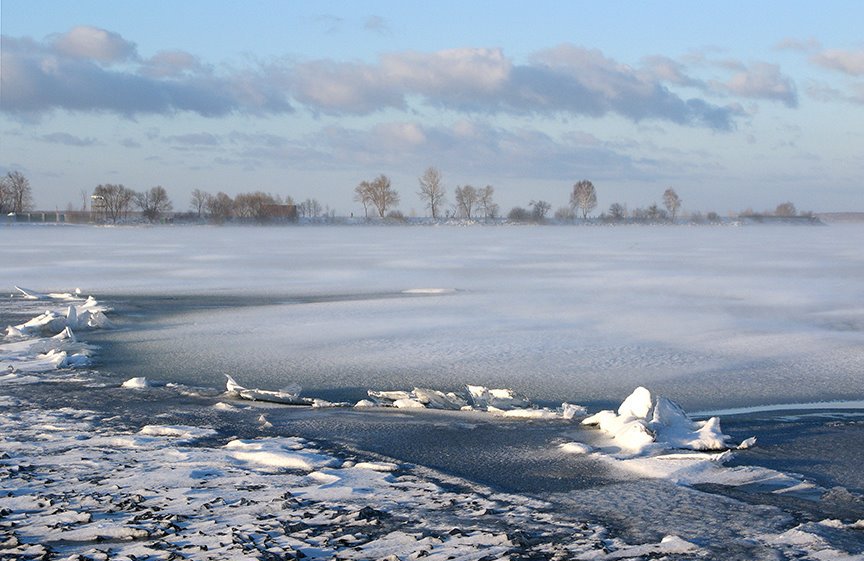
(735,105)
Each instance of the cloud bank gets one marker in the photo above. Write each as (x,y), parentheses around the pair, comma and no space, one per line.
(91,69)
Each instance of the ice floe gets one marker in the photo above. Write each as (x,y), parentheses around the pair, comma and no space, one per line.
(503,402)
(137,383)
(287,397)
(47,342)
(643,423)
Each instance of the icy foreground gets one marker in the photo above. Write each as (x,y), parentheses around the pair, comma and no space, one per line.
(78,484)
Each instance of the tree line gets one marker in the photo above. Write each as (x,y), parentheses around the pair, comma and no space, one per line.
(114,202)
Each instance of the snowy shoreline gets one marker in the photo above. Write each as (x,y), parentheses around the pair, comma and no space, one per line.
(78,483)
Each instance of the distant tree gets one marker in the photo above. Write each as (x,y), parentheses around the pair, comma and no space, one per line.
(672,202)
(220,207)
(114,200)
(199,201)
(85,196)
(565,213)
(583,197)
(431,190)
(467,199)
(713,217)
(617,212)
(153,203)
(5,197)
(309,208)
(382,195)
(655,213)
(539,210)
(363,195)
(785,209)
(15,193)
(253,205)
(519,214)
(486,202)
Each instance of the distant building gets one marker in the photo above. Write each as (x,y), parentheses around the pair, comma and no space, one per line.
(279,212)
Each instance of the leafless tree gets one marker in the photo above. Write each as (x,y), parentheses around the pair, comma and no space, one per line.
(617,212)
(220,207)
(85,196)
(583,197)
(310,208)
(431,190)
(15,193)
(490,209)
(253,205)
(519,214)
(5,197)
(115,200)
(382,195)
(153,203)
(199,201)
(467,199)
(539,210)
(655,214)
(672,202)
(565,213)
(785,209)
(363,195)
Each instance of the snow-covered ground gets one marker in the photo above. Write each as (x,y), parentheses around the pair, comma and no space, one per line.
(124,441)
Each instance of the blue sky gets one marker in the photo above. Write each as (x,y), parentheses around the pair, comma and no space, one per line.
(735,105)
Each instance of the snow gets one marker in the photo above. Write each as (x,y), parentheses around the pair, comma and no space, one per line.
(137,383)
(277,453)
(644,423)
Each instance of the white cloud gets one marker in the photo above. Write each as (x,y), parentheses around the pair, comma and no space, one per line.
(845,61)
(93,43)
(77,71)
(762,81)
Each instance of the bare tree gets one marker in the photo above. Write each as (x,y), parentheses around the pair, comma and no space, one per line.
(785,209)
(564,213)
(310,208)
(363,195)
(15,193)
(539,210)
(490,209)
(115,200)
(655,213)
(220,207)
(199,201)
(382,195)
(85,196)
(467,199)
(519,214)
(617,211)
(253,205)
(672,202)
(5,197)
(153,203)
(431,190)
(583,197)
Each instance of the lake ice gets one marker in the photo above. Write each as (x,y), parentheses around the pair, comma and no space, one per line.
(711,317)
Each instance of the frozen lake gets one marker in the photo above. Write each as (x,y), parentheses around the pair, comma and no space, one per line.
(713,317)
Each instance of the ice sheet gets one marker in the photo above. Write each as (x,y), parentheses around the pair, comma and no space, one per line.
(713,317)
